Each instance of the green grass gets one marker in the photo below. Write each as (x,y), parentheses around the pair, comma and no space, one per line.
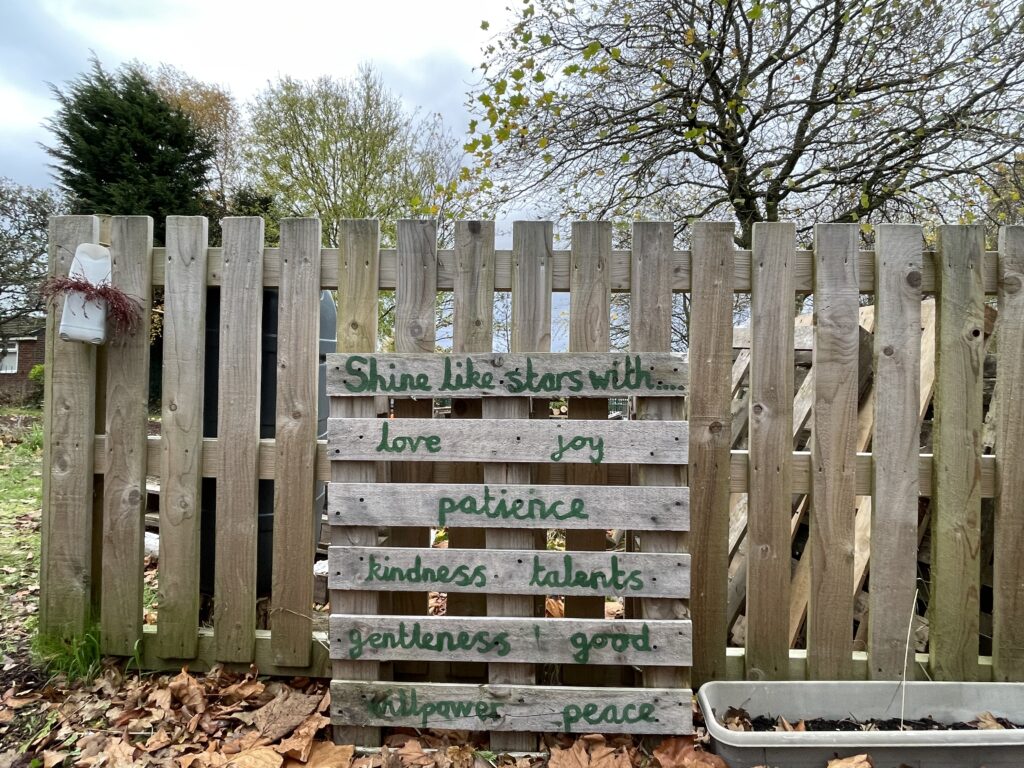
(21,440)
(76,658)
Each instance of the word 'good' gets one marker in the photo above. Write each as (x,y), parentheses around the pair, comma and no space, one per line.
(504,508)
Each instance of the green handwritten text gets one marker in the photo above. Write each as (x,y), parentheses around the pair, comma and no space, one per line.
(502,508)
(594,714)
(578,443)
(405,704)
(619,642)
(407,638)
(403,443)
(417,573)
(618,580)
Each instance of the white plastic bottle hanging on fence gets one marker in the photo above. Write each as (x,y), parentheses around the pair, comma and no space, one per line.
(85,317)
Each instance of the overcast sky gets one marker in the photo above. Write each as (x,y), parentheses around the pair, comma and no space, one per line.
(426,51)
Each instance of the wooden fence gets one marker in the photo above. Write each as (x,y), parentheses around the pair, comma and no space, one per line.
(672,474)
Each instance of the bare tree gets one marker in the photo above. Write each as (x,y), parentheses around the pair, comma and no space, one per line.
(848,110)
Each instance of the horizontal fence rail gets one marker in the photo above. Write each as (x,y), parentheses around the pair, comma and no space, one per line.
(450,485)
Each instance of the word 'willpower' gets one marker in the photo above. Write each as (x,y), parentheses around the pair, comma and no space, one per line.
(414,636)
(404,703)
(365,375)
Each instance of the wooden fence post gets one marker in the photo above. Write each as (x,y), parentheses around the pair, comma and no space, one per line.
(956,468)
(710,416)
(895,445)
(68,431)
(181,435)
(127,414)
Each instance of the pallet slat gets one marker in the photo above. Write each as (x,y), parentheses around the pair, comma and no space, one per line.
(508,440)
(124,484)
(488,638)
(501,374)
(512,708)
(510,572)
(181,430)
(238,430)
(575,507)
(298,351)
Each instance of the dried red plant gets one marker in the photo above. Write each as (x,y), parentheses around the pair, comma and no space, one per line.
(123,311)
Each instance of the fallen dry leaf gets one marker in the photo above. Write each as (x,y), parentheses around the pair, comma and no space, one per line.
(324,754)
(52,758)
(857,761)
(681,752)
(412,755)
(185,689)
(554,608)
(158,740)
(782,724)
(987,722)
(604,756)
(119,753)
(299,744)
(258,757)
(284,714)
(737,720)
(19,702)
(574,757)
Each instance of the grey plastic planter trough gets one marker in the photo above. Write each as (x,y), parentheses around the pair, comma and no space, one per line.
(945,702)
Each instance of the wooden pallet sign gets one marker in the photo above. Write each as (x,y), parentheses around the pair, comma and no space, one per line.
(505,640)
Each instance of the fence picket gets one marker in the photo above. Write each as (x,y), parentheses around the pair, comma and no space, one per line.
(1008,573)
(710,417)
(238,430)
(897,386)
(69,424)
(181,433)
(650,329)
(127,415)
(298,350)
(770,478)
(956,508)
(358,267)
(833,451)
(531,332)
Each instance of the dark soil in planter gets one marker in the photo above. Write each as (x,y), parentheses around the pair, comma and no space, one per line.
(739,720)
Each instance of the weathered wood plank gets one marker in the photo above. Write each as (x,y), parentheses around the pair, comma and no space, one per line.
(589,327)
(770,478)
(531,332)
(415,332)
(486,638)
(500,374)
(738,480)
(803,338)
(508,440)
(1008,567)
(833,451)
(956,509)
(510,572)
(181,429)
(358,308)
(513,708)
(897,385)
(650,331)
(472,332)
(358,268)
(680,275)
(127,409)
(238,431)
(298,351)
(710,416)
(66,564)
(573,507)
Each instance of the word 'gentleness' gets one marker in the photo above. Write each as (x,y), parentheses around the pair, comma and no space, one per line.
(460,375)
(482,642)
(502,508)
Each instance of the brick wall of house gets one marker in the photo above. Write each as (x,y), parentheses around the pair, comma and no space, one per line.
(16,387)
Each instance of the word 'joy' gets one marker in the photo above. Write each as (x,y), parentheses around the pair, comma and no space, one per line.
(390,443)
